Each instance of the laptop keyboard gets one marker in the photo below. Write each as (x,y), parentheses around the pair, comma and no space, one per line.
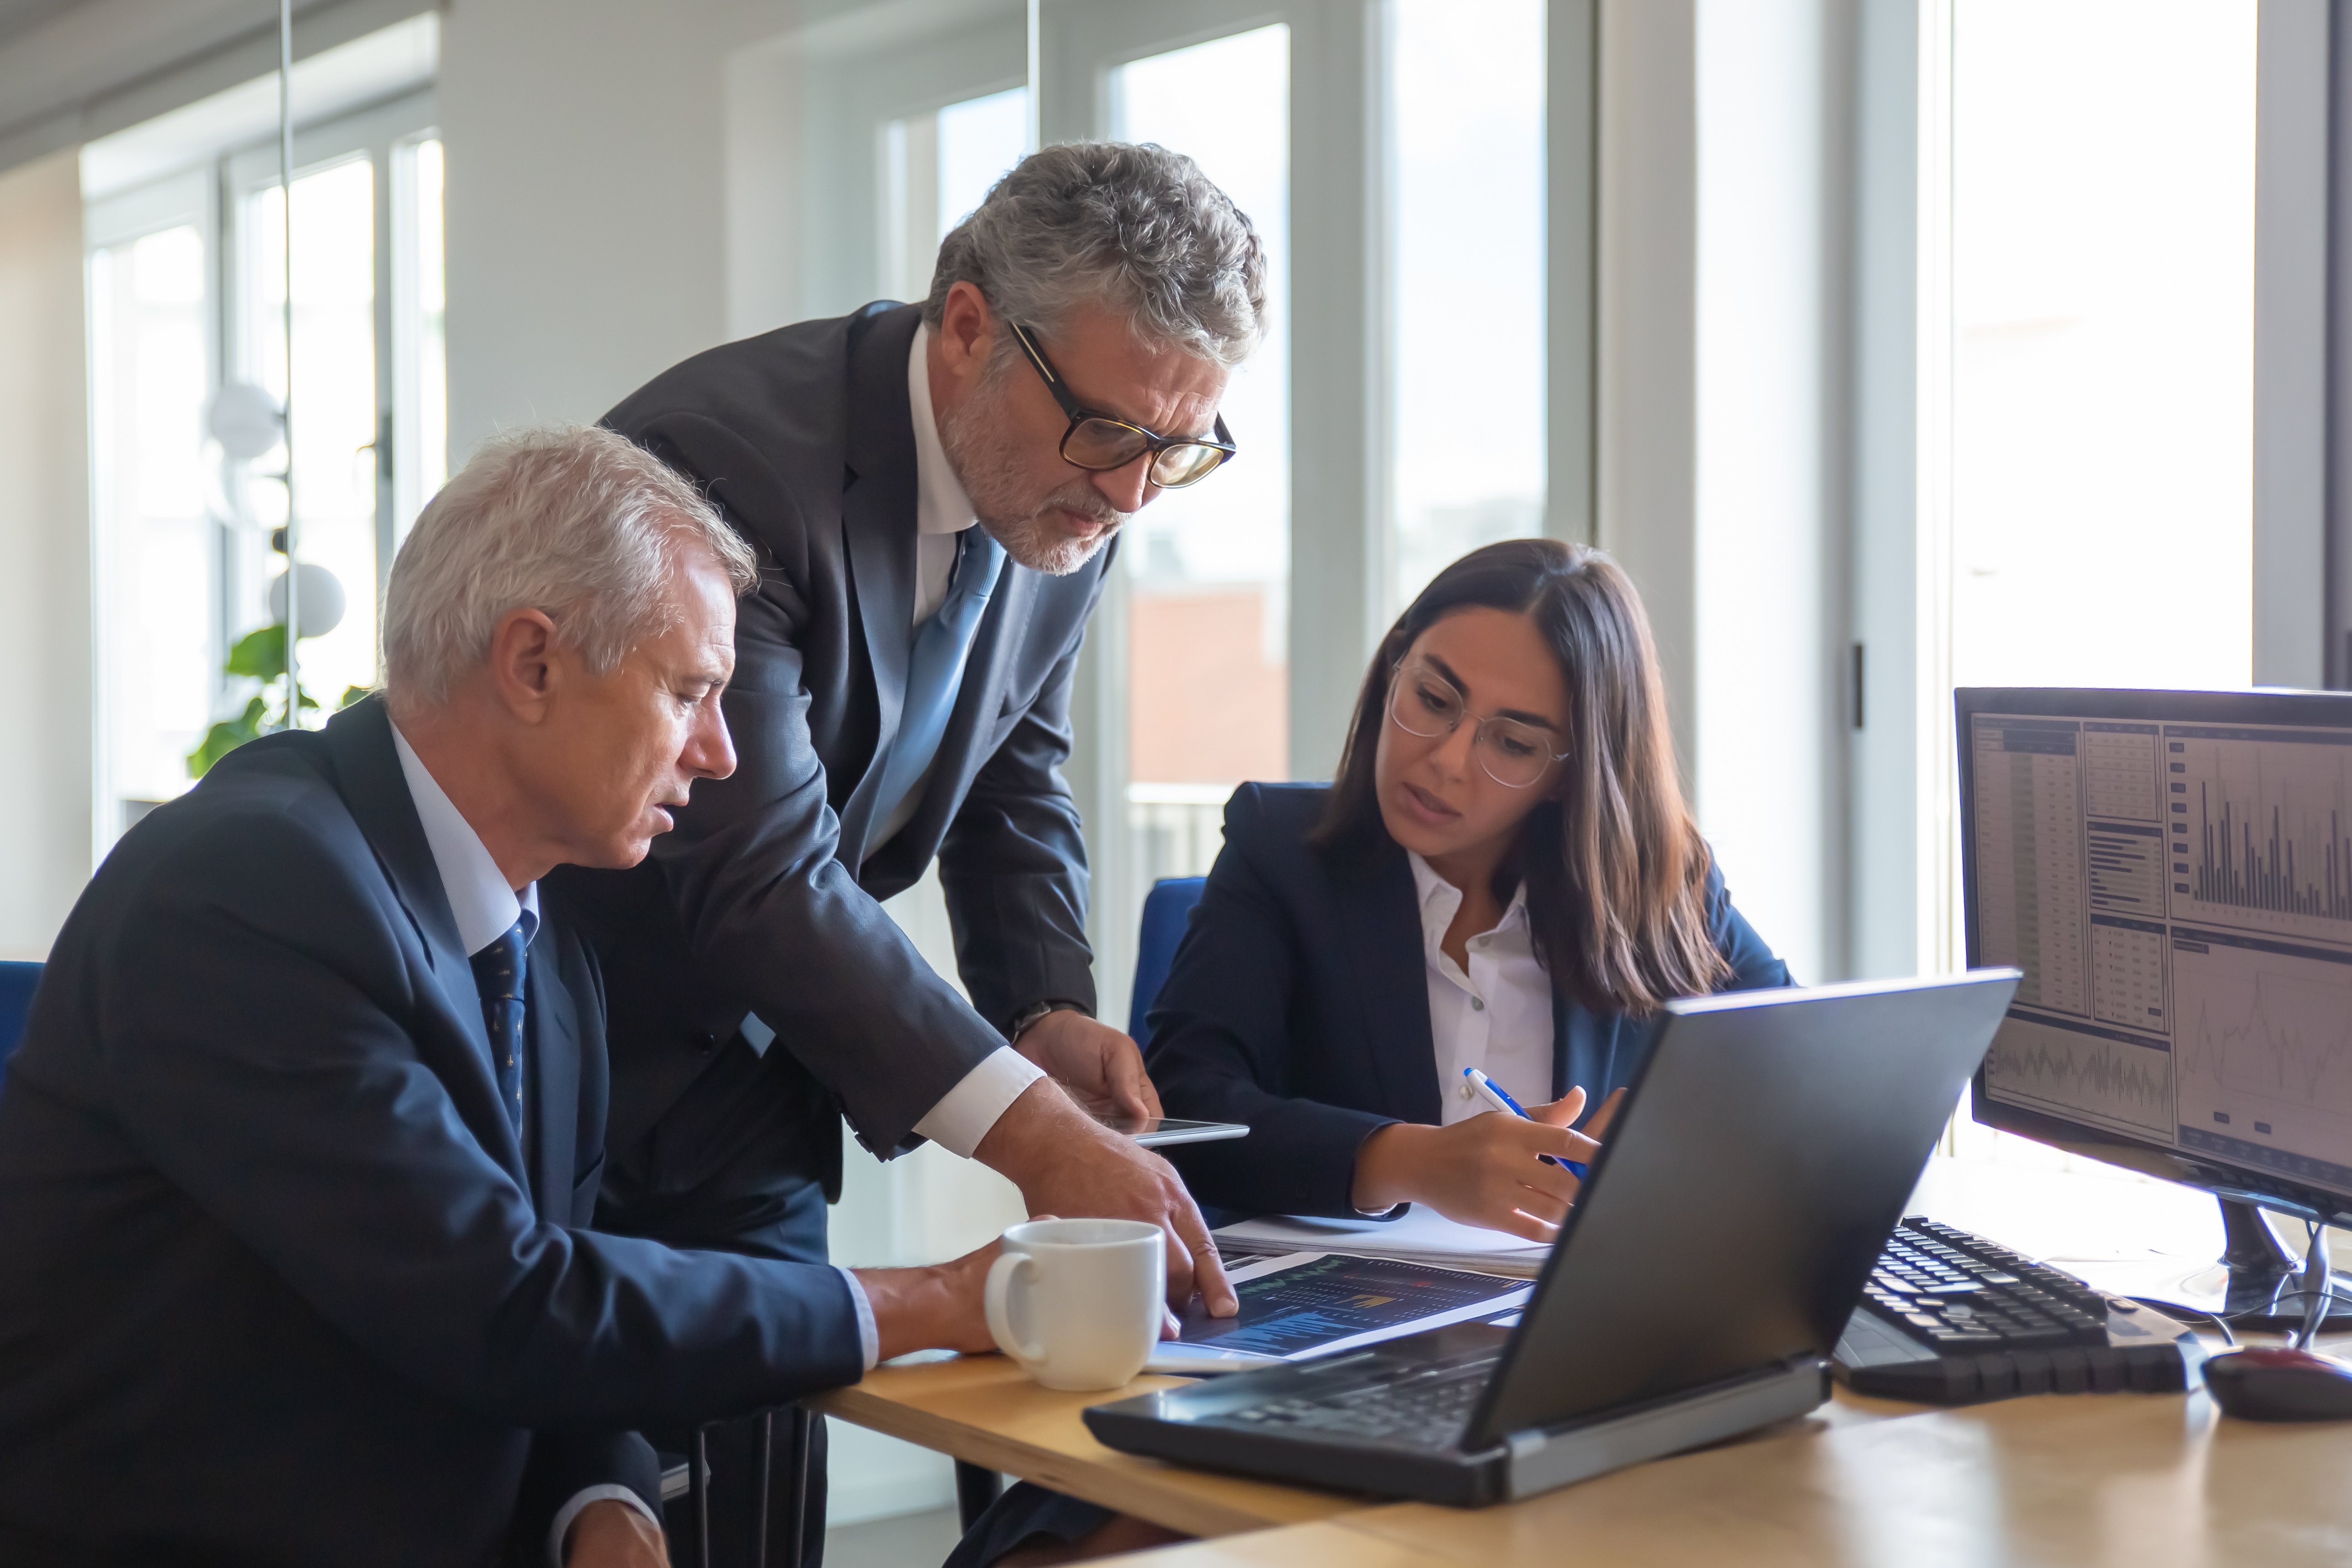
(1424,1407)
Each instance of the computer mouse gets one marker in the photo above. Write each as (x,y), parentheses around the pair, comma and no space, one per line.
(2274,1385)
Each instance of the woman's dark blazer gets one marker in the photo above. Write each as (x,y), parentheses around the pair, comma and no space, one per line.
(1297,1004)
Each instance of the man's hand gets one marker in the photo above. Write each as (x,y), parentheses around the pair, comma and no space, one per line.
(933,1308)
(608,1534)
(1100,1066)
(1487,1170)
(1066,1162)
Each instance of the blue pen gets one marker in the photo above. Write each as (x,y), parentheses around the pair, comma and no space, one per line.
(1495,1095)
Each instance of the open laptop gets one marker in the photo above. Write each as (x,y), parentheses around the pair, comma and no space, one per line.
(1760,1162)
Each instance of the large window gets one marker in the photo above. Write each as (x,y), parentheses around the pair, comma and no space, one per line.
(936,167)
(188,280)
(152,312)
(1208,568)
(2103,268)
(334,408)
(1466,200)
(2103,359)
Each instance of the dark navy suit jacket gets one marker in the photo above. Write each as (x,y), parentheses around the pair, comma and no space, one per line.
(278,1282)
(1299,1004)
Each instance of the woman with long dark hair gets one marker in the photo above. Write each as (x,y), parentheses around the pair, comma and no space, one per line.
(1503,876)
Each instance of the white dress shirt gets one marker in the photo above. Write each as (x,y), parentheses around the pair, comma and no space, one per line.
(485,908)
(1498,1016)
(960,1120)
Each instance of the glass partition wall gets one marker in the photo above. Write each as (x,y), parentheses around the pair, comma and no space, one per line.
(187,280)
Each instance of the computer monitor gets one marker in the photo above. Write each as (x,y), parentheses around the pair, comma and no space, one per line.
(2173,872)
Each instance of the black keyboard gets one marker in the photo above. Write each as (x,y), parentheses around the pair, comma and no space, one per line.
(1425,1407)
(1950,1317)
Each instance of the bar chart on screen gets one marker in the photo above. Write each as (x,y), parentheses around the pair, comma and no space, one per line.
(2261,830)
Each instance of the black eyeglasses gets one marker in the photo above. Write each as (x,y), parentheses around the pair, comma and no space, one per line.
(1101,442)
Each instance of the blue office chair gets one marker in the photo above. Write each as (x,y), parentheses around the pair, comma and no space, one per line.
(1166,911)
(16,983)
(1166,908)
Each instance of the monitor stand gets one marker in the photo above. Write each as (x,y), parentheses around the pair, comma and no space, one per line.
(2255,1283)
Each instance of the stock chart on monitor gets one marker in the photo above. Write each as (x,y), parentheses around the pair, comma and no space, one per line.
(2179,893)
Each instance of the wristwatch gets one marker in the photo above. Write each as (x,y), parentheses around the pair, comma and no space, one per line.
(1035,1011)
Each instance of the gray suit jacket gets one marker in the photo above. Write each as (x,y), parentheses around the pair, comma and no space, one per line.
(763,900)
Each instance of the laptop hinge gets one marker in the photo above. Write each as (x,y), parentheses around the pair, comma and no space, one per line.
(1538,1459)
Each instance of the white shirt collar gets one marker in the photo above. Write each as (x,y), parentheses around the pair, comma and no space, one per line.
(941,505)
(1440,900)
(478,895)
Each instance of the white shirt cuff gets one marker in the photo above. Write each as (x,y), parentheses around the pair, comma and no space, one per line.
(608,1492)
(962,1118)
(869,1338)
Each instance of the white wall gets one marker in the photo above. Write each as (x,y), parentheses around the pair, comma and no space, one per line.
(587,233)
(45,589)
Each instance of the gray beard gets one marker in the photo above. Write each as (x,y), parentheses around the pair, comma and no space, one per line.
(992,483)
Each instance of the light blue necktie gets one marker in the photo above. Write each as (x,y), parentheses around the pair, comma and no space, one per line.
(935,668)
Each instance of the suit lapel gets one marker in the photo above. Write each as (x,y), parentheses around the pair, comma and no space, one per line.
(877,524)
(551,1097)
(368,776)
(1380,929)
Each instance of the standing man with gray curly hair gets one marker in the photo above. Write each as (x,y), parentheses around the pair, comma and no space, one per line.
(934,493)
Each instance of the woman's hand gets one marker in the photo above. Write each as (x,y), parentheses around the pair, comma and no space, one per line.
(1487,1170)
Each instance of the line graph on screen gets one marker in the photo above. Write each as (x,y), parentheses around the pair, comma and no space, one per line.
(2276,1036)
(2080,1073)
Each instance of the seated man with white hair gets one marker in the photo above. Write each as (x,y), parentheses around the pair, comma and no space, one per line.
(297,1155)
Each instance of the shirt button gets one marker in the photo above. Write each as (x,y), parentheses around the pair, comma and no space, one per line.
(1467,1091)
(1478,1005)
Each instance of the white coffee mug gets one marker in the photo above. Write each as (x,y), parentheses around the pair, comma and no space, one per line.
(1077,1302)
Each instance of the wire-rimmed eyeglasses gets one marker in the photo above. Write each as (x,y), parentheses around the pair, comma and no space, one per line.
(1424,703)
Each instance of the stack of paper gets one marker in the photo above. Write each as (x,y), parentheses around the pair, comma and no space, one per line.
(1421,1236)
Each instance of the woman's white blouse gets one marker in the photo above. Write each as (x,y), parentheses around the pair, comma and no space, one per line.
(1497,1017)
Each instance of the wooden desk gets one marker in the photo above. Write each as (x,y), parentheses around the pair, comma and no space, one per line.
(2056,1481)
(986,1410)
(2085,1482)
(2071,1481)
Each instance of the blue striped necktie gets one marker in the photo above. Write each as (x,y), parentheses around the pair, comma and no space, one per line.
(498,975)
(935,668)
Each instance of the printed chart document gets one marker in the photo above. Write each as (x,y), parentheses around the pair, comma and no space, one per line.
(1421,1236)
(1316,1303)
